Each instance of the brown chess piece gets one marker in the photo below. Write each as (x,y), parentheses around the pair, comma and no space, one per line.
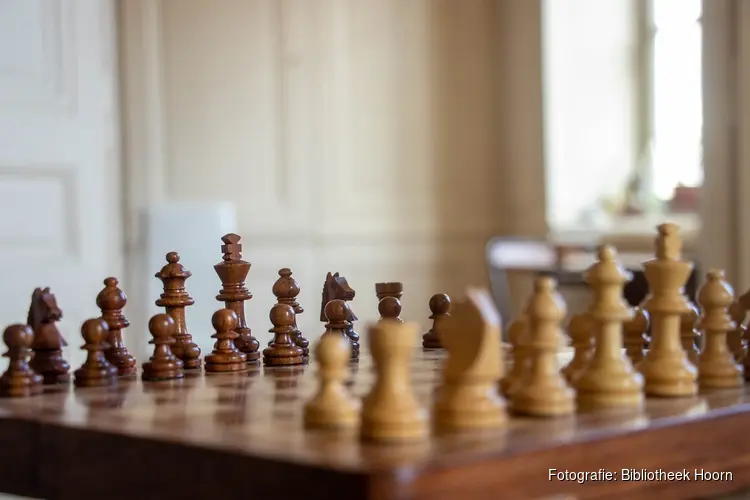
(19,380)
(440,306)
(111,301)
(232,271)
(389,309)
(283,351)
(393,289)
(96,370)
(336,287)
(337,312)
(163,364)
(174,300)
(286,289)
(225,356)
(47,360)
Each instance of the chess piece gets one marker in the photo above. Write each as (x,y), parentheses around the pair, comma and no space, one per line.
(286,289)
(736,337)
(518,337)
(666,369)
(609,379)
(48,343)
(544,392)
(389,308)
(336,287)
(717,367)
(232,271)
(96,370)
(390,411)
(688,334)
(468,396)
(332,406)
(163,364)
(111,301)
(283,351)
(174,300)
(19,380)
(393,289)
(440,305)
(337,311)
(581,333)
(225,356)
(634,335)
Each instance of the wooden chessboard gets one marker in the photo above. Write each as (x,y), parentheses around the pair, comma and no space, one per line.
(241,436)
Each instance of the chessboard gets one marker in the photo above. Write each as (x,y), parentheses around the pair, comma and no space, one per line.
(241,436)
(650,403)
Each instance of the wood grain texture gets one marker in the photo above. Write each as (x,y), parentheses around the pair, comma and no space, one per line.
(241,436)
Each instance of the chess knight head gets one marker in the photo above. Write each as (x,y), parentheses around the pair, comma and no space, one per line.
(43,307)
(335,287)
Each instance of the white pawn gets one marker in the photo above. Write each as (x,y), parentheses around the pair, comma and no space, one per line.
(609,379)
(332,407)
(544,392)
(666,369)
(716,366)
(390,412)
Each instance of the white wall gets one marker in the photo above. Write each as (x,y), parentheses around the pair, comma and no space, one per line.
(360,137)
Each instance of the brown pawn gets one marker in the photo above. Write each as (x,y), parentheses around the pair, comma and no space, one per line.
(337,312)
(286,289)
(174,300)
(232,271)
(635,336)
(19,380)
(282,351)
(111,301)
(389,308)
(96,370)
(163,364)
(440,306)
(225,356)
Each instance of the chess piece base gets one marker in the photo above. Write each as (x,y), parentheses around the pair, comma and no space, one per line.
(326,415)
(282,355)
(391,428)
(187,351)
(20,386)
(609,386)
(466,408)
(671,376)
(431,341)
(123,361)
(544,401)
(51,366)
(220,362)
(95,376)
(720,373)
(166,371)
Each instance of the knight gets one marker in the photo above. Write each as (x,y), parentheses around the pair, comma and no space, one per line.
(47,361)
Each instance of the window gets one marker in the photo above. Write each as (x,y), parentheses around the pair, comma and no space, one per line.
(623,113)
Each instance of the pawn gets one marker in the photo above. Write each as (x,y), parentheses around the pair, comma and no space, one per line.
(19,381)
(337,311)
(609,379)
(581,333)
(717,368)
(283,351)
(440,305)
(390,411)
(225,356)
(518,338)
(286,289)
(736,338)
(96,370)
(544,392)
(332,406)
(389,308)
(634,335)
(688,334)
(163,364)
